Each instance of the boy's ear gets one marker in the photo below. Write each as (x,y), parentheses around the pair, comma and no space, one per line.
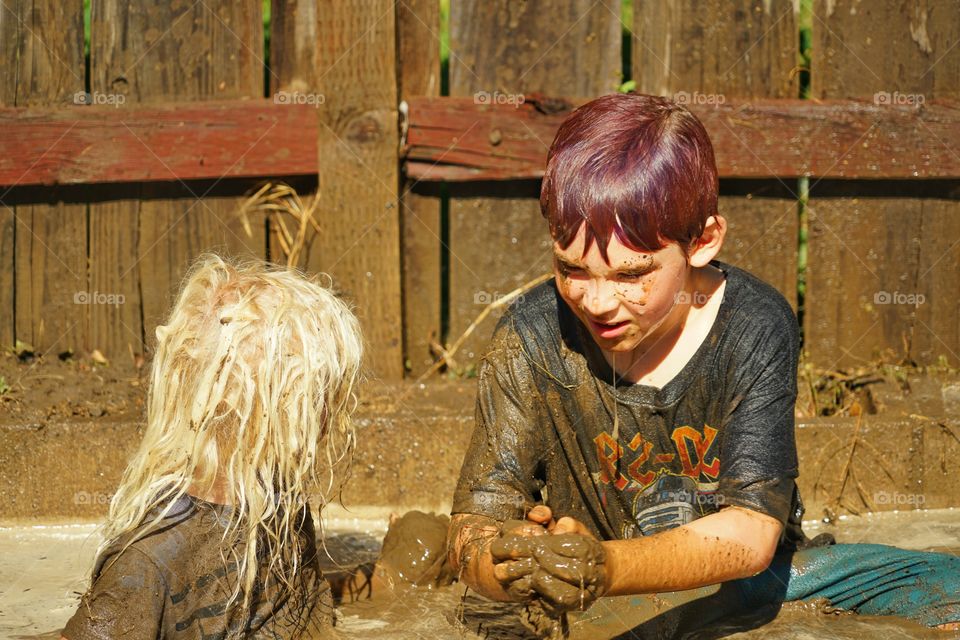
(707,246)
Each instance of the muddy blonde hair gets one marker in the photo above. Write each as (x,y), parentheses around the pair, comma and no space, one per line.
(251,390)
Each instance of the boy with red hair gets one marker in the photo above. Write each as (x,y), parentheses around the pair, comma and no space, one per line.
(646,398)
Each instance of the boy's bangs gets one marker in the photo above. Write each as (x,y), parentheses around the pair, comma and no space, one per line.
(637,166)
(607,205)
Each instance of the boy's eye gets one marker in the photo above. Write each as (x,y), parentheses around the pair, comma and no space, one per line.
(631,276)
(568,269)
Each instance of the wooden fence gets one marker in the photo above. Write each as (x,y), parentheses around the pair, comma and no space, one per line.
(428,203)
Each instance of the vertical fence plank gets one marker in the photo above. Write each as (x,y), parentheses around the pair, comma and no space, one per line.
(936,333)
(293,68)
(876,249)
(7,229)
(359,170)
(499,243)
(418,33)
(743,48)
(697,51)
(9,28)
(188,51)
(346,53)
(43,65)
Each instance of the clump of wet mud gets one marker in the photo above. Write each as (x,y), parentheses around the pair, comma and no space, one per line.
(414,550)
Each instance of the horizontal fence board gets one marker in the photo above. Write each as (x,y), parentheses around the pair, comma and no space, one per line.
(459,139)
(180,141)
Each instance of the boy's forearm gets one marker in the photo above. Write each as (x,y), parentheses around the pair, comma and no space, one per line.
(471,537)
(707,551)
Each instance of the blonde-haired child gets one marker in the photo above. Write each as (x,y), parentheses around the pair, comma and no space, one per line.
(209,534)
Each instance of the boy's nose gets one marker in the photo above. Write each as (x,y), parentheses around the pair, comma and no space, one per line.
(599,299)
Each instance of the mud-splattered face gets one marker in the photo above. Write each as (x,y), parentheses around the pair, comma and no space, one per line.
(631,300)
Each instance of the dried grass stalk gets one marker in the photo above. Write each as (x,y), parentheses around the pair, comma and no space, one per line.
(279,201)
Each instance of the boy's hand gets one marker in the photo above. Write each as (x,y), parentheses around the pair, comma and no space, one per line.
(539,521)
(564,570)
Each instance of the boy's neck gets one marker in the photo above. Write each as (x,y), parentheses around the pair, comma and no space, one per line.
(663,354)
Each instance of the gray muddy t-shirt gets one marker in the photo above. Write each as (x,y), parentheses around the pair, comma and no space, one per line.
(175,583)
(719,433)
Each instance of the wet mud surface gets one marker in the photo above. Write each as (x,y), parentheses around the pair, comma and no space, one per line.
(44,569)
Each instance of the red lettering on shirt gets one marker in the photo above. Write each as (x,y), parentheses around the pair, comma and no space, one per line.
(644,478)
(608,452)
(701,445)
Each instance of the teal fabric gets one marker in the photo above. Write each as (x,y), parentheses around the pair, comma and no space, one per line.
(870,579)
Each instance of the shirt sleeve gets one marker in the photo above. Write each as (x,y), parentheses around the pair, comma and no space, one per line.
(125,601)
(497,479)
(758,455)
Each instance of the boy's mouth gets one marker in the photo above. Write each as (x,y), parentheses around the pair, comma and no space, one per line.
(608,329)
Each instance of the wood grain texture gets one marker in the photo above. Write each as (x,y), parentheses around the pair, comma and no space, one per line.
(498,239)
(874,251)
(41,42)
(293,68)
(7,257)
(51,270)
(697,52)
(742,48)
(418,46)
(936,332)
(458,140)
(359,171)
(176,141)
(161,52)
(860,250)
(861,48)
(762,219)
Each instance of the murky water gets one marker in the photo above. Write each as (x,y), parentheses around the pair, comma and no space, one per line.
(44,569)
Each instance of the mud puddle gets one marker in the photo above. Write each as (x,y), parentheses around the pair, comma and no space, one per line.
(43,570)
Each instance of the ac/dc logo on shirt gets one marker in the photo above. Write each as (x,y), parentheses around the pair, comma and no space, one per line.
(662,490)
(691,450)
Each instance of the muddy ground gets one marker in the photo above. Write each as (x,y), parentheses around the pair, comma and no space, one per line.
(40,391)
(37,391)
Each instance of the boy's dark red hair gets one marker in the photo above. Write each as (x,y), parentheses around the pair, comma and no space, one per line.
(636,165)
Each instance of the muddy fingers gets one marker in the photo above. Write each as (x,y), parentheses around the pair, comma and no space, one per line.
(565,571)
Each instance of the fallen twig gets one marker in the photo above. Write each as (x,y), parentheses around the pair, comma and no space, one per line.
(446,355)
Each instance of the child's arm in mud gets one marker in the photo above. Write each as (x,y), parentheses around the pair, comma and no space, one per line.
(570,568)
(730,544)
(469,554)
(469,548)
